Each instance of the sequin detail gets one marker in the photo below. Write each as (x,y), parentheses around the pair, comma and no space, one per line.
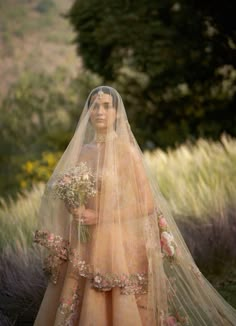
(60,251)
(102,138)
(51,267)
(68,307)
(55,243)
(58,248)
(128,283)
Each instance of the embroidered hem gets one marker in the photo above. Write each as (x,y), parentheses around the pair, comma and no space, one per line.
(60,252)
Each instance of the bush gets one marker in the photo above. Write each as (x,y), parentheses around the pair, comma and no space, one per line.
(39,115)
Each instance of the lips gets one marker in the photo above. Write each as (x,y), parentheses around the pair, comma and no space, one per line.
(101,120)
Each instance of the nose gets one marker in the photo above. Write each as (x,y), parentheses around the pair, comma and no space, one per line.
(100,110)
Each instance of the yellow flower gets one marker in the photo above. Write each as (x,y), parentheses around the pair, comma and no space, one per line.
(23,184)
(49,158)
(28,167)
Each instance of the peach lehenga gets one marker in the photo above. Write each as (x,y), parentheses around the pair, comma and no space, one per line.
(132,267)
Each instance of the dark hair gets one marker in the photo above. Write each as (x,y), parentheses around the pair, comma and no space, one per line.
(106,90)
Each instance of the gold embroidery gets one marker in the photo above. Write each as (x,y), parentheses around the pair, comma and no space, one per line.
(132,283)
(60,252)
(58,248)
(55,243)
(68,307)
(51,267)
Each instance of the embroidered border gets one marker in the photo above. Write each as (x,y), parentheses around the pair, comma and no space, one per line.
(60,252)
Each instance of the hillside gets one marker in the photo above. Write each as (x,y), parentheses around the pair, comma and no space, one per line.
(34,37)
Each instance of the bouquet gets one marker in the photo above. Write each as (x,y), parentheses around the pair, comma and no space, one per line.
(74,187)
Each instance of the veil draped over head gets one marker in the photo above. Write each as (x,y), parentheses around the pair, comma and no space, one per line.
(130,265)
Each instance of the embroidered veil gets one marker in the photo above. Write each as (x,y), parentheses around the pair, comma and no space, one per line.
(130,265)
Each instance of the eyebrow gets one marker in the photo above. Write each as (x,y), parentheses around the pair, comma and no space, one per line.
(109,103)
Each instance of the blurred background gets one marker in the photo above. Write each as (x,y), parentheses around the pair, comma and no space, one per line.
(173,62)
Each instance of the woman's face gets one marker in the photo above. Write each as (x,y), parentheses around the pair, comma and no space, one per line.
(103,113)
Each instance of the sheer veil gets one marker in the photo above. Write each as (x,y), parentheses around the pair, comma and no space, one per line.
(131,266)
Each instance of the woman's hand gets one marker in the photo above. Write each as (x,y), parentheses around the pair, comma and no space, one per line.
(89,217)
(84,215)
(75,211)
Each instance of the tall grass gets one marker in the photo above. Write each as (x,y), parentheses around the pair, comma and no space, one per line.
(199,183)
(22,280)
(22,285)
(200,180)
(18,219)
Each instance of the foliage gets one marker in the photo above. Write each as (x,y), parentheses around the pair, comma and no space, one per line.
(197,179)
(23,285)
(39,115)
(20,12)
(182,53)
(35,40)
(18,218)
(199,185)
(36,171)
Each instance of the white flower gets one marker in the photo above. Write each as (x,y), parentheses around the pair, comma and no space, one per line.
(167,237)
(97,279)
(169,250)
(85,176)
(140,277)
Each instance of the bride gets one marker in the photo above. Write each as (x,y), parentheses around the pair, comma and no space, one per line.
(114,253)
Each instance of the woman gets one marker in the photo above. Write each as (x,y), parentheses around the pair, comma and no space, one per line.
(116,256)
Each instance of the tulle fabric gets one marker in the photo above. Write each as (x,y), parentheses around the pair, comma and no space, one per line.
(131,267)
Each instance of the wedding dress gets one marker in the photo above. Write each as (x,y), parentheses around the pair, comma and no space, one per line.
(114,255)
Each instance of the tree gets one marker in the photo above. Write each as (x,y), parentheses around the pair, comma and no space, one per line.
(172,62)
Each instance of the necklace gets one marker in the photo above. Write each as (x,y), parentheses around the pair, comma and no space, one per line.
(102,138)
